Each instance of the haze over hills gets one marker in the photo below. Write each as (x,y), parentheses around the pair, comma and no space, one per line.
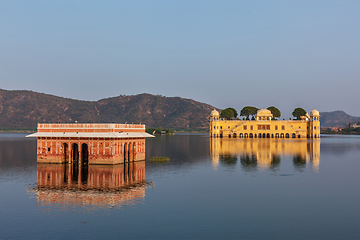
(24,109)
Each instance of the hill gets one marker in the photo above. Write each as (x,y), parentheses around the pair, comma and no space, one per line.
(24,109)
(336,119)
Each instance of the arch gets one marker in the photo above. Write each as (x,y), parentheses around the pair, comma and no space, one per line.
(245,135)
(272,135)
(65,152)
(255,136)
(293,135)
(282,135)
(263,135)
(259,135)
(276,135)
(287,135)
(229,135)
(133,151)
(84,154)
(220,135)
(125,152)
(75,152)
(234,135)
(129,152)
(268,135)
(250,135)
(241,135)
(315,136)
(298,136)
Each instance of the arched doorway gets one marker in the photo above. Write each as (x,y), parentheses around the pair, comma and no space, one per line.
(268,135)
(293,135)
(133,151)
(234,135)
(75,152)
(287,135)
(65,152)
(250,135)
(84,154)
(282,135)
(240,135)
(263,135)
(129,152)
(272,135)
(229,135)
(125,152)
(246,135)
(276,135)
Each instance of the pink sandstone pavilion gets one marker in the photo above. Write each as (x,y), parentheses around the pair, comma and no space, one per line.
(90,143)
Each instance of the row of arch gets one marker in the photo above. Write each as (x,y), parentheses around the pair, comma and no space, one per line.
(265,135)
(75,154)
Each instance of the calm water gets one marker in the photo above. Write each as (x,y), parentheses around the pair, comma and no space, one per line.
(223,189)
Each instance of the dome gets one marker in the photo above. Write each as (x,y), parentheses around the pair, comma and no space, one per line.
(214,113)
(264,113)
(314,113)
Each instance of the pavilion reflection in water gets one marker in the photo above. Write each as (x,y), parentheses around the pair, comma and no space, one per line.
(259,154)
(93,185)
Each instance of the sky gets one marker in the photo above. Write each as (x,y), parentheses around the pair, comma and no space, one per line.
(286,54)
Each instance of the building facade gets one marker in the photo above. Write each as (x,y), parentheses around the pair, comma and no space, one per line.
(93,143)
(264,126)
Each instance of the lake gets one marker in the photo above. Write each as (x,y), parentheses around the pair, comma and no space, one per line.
(209,189)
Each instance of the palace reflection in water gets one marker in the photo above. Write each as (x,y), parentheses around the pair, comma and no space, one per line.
(94,185)
(260,154)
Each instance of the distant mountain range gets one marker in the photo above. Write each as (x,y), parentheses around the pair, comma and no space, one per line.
(24,109)
(337,119)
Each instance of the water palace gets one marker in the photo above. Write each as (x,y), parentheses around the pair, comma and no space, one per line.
(90,143)
(264,126)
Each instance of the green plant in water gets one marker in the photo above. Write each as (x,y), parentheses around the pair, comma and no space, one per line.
(159,159)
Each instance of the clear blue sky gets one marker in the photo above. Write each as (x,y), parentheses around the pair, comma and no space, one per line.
(225,53)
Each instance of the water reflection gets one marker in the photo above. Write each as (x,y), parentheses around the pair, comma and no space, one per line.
(260,154)
(95,185)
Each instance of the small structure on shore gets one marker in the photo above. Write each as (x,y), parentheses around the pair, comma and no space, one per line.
(90,143)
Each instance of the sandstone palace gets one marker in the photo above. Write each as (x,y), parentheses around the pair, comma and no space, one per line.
(264,126)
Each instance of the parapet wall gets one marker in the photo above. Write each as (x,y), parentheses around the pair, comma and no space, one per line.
(90,127)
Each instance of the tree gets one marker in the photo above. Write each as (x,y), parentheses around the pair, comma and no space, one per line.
(298,112)
(234,111)
(227,113)
(275,111)
(248,111)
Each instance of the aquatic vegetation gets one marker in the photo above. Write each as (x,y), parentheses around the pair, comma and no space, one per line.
(159,159)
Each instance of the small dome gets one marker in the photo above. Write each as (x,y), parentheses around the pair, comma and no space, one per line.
(314,113)
(214,113)
(264,113)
